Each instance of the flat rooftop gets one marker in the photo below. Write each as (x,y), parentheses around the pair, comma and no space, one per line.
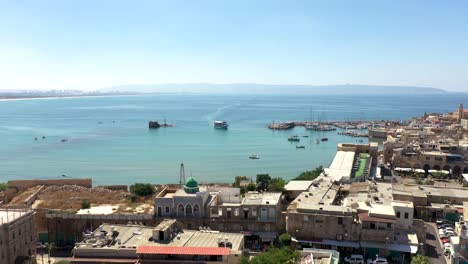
(341,165)
(133,236)
(298,185)
(9,216)
(256,198)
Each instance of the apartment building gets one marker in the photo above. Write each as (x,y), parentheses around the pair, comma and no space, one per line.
(223,208)
(356,217)
(17,235)
(168,242)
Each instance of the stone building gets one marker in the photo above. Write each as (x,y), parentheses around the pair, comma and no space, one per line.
(168,242)
(356,217)
(17,235)
(222,208)
(187,202)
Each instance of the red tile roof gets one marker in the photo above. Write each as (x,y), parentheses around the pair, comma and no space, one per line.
(171,250)
(366,217)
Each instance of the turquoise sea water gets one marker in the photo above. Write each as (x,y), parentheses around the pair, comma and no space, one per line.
(126,151)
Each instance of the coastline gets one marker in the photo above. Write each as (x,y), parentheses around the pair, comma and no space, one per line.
(63,97)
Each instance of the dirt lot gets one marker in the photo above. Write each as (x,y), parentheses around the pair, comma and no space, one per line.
(71,197)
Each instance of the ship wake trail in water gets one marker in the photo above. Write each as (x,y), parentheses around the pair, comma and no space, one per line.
(219,112)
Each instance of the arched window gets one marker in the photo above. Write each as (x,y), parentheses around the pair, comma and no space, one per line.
(188,210)
(196,210)
(180,210)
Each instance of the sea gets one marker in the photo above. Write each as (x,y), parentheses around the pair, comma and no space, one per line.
(108,139)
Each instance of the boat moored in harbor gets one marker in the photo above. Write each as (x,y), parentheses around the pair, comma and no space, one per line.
(254,157)
(324,139)
(294,138)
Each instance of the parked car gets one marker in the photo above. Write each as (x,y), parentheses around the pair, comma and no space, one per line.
(445,226)
(377,260)
(445,240)
(354,259)
(440,221)
(449,233)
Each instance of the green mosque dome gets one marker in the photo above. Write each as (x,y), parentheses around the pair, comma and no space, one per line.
(191,183)
(191,186)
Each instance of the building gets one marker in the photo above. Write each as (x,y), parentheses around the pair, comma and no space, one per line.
(168,242)
(222,208)
(353,162)
(294,188)
(17,235)
(354,217)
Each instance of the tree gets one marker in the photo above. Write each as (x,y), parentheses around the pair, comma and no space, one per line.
(263,181)
(238,180)
(285,238)
(85,204)
(309,175)
(420,259)
(275,255)
(3,187)
(276,185)
(251,187)
(142,189)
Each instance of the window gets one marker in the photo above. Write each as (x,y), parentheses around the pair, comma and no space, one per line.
(236,211)
(220,211)
(340,220)
(372,225)
(306,218)
(167,209)
(406,215)
(389,225)
(398,214)
(272,212)
(318,221)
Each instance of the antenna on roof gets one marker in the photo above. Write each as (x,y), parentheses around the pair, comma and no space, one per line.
(182,174)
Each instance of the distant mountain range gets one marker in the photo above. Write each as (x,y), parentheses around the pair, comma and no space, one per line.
(252,88)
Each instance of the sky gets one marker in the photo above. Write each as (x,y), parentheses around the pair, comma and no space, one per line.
(91,44)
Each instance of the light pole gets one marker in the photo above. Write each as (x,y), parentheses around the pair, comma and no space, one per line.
(49,248)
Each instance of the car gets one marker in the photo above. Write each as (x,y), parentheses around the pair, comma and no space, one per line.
(445,240)
(449,229)
(377,260)
(449,233)
(354,259)
(440,221)
(447,245)
(446,225)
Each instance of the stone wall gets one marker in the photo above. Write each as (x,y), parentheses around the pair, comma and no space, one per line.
(14,187)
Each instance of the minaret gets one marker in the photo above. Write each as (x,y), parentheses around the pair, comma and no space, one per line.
(182,174)
(460,113)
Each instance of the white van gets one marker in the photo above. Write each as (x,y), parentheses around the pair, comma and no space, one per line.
(355,259)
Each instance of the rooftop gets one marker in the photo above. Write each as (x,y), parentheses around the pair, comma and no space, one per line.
(256,198)
(11,215)
(298,185)
(113,237)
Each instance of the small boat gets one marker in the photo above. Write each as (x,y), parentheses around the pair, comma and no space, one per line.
(64,140)
(305,136)
(294,138)
(35,138)
(99,122)
(300,147)
(220,124)
(324,139)
(254,157)
(43,137)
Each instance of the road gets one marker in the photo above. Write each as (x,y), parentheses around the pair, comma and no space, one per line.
(433,247)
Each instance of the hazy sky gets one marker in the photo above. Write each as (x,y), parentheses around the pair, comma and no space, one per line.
(92,44)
